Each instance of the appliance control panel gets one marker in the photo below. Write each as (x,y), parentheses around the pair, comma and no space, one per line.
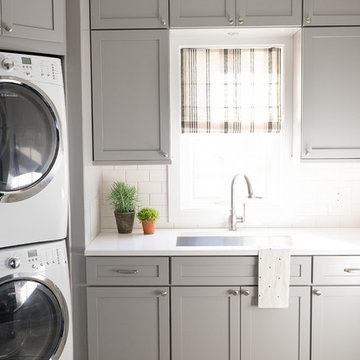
(31,67)
(32,258)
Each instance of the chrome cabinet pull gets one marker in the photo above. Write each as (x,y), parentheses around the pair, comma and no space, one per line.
(163,293)
(317,292)
(163,22)
(164,154)
(127,272)
(308,20)
(8,28)
(240,20)
(245,292)
(234,292)
(352,270)
(231,20)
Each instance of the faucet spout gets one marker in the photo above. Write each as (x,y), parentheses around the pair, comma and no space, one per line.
(233,218)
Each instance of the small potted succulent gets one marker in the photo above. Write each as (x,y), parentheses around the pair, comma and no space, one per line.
(123,198)
(148,217)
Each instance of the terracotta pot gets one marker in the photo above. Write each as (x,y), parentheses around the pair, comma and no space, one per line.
(125,222)
(148,227)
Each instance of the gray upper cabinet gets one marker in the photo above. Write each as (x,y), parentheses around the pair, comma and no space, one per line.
(128,323)
(331,93)
(130,83)
(220,13)
(129,14)
(276,334)
(205,323)
(33,25)
(336,323)
(202,13)
(268,13)
(331,12)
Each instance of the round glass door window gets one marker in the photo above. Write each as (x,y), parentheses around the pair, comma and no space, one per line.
(31,321)
(29,137)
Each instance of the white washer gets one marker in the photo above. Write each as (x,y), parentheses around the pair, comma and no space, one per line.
(35,303)
(33,150)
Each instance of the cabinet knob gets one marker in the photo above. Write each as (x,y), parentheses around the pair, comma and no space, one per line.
(234,292)
(317,292)
(307,152)
(245,292)
(231,20)
(8,28)
(163,293)
(308,20)
(164,154)
(240,20)
(163,21)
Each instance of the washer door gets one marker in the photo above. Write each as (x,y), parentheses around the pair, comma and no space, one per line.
(33,320)
(29,139)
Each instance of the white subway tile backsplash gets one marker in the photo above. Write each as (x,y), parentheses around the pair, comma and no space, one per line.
(312,194)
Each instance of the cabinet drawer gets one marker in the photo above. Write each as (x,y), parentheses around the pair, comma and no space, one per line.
(337,270)
(127,271)
(231,270)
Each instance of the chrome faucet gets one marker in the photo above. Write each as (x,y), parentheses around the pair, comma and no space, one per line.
(233,218)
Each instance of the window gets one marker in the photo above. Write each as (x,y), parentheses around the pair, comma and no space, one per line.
(227,114)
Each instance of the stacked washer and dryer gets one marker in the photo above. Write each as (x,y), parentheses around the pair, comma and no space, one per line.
(35,300)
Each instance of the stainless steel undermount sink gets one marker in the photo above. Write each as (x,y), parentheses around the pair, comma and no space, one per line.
(241,240)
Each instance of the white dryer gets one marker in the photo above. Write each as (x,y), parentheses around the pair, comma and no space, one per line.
(33,150)
(35,303)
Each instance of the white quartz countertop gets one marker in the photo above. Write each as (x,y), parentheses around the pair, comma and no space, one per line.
(301,241)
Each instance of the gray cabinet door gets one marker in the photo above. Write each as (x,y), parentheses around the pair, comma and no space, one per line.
(331,92)
(125,14)
(331,12)
(336,323)
(268,13)
(205,323)
(276,334)
(202,13)
(128,323)
(34,19)
(130,83)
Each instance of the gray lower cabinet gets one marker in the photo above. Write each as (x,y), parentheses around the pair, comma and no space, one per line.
(205,323)
(33,25)
(130,87)
(220,13)
(128,323)
(276,334)
(330,92)
(125,14)
(331,12)
(336,323)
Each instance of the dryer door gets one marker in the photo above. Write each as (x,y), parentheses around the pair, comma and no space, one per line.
(29,140)
(33,320)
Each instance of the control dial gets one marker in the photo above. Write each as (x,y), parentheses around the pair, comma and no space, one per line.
(13,263)
(7,64)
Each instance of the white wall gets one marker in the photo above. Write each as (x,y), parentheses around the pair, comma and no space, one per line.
(313,194)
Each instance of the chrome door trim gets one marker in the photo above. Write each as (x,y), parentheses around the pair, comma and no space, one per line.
(59,297)
(36,187)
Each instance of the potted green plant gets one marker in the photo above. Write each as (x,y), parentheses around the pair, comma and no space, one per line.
(123,198)
(148,217)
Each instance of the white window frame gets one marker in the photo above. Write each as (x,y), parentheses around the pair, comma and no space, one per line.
(224,38)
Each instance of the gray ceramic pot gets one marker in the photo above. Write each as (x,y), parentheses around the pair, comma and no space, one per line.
(125,222)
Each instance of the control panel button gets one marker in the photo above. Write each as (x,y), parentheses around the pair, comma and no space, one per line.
(13,263)
(7,64)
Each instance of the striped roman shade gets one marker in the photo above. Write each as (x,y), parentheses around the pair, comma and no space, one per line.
(231,90)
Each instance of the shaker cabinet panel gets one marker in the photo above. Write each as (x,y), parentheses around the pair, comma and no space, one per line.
(128,323)
(34,19)
(276,334)
(336,323)
(331,12)
(331,93)
(202,13)
(130,83)
(124,14)
(205,323)
(268,13)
